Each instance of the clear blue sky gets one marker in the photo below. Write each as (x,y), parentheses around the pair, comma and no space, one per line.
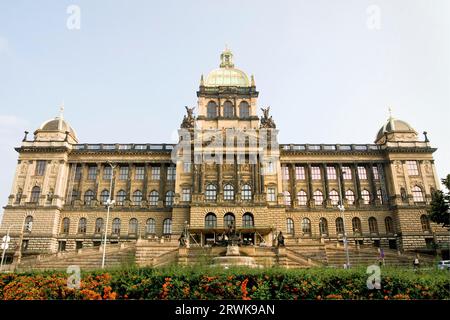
(127,74)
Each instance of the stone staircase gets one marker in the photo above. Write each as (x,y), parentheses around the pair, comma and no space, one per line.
(306,253)
(365,256)
(156,254)
(117,255)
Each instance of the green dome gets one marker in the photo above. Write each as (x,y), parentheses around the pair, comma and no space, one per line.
(227,74)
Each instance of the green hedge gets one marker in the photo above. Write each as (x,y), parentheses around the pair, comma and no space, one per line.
(207,283)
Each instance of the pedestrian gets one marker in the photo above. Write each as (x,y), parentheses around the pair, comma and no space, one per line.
(416,262)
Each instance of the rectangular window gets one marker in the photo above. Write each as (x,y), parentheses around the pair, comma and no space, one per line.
(315,173)
(285,172)
(92,173)
(107,173)
(171,173)
(376,175)
(413,169)
(331,173)
(140,173)
(271,194)
(40,167)
(300,173)
(269,167)
(362,173)
(347,173)
(156,171)
(123,173)
(78,170)
(187,167)
(186,194)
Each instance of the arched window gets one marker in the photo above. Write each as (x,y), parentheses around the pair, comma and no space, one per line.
(389,224)
(82,225)
(365,196)
(244,109)
(339,226)
(287,198)
(167,226)
(350,196)
(302,198)
(228,192)
(229,220)
(35,194)
(153,198)
(169,198)
(28,224)
(99,225)
(373,225)
(356,225)
(334,197)
(88,197)
(210,220)
(425,222)
(306,226)
(247,220)
(318,198)
(104,196)
(417,194)
(246,193)
(228,110)
(121,196)
(211,110)
(211,192)
(116,226)
(323,226)
(65,225)
(137,197)
(133,226)
(290,226)
(150,227)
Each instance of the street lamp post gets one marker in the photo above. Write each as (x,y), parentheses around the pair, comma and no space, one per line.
(5,246)
(109,204)
(342,209)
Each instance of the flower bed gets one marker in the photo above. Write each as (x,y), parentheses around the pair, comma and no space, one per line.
(242,284)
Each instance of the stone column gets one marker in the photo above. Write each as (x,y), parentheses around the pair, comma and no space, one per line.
(97,182)
(356,182)
(325,184)
(162,181)
(293,184)
(340,175)
(309,180)
(145,183)
(371,178)
(130,175)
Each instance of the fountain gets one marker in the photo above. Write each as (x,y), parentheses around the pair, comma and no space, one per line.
(233,257)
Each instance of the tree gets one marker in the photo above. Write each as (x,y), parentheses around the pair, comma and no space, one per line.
(439,211)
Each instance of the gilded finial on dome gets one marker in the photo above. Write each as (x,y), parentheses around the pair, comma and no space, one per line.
(226,58)
(390,112)
(202,82)
(252,81)
(61,115)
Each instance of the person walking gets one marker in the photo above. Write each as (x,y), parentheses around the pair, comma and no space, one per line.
(416,262)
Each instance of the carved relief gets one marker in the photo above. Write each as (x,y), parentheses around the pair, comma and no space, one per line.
(398,167)
(427,166)
(54,167)
(23,168)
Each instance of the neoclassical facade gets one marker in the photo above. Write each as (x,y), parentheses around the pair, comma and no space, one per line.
(61,185)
